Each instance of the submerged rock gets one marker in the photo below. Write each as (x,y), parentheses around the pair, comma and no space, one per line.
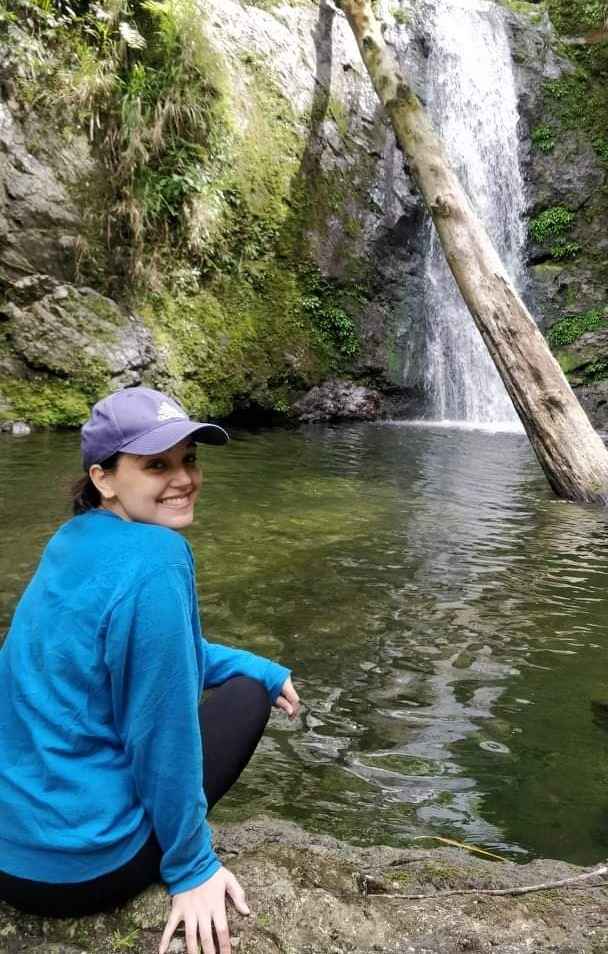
(310,894)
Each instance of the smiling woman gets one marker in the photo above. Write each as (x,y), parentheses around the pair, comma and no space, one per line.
(105,737)
(152,488)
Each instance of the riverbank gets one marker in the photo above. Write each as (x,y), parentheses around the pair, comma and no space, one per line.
(311,894)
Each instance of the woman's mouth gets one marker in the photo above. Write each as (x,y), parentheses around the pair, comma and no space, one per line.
(177,502)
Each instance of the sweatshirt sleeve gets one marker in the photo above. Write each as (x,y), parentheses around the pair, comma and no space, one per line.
(223,662)
(154,654)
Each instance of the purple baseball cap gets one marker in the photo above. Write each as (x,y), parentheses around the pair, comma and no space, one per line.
(140,421)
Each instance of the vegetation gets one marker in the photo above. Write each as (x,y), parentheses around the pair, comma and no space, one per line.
(552,225)
(571,327)
(200,216)
(574,17)
(543,137)
(400,16)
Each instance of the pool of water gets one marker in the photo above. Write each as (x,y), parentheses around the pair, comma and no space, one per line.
(444,615)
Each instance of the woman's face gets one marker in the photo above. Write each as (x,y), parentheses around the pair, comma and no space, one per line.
(153,488)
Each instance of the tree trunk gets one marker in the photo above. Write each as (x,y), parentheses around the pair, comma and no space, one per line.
(570,452)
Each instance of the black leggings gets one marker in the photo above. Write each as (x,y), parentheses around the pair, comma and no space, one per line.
(232,718)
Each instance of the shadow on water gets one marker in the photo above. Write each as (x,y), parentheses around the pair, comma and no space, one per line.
(443,614)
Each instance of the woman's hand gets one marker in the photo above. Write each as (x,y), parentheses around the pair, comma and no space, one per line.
(289,700)
(202,909)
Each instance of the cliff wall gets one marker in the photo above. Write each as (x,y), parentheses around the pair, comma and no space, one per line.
(209,199)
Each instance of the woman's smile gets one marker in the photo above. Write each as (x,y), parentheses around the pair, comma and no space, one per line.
(178,502)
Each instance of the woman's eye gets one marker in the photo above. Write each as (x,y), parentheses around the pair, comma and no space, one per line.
(155,465)
(190,459)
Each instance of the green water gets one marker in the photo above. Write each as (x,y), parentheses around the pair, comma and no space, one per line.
(444,615)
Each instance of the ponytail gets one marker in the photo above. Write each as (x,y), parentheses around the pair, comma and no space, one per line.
(85,495)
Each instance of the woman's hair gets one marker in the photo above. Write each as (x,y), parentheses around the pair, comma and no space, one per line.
(85,495)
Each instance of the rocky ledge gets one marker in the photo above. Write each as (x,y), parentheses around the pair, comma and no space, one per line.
(342,399)
(310,894)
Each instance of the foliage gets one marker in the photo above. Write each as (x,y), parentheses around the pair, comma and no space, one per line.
(325,304)
(139,76)
(578,101)
(571,327)
(543,137)
(563,249)
(574,17)
(551,223)
(206,215)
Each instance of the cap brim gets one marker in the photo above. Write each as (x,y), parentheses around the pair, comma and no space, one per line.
(171,433)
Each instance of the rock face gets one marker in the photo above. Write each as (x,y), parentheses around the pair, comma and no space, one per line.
(566,172)
(313,895)
(347,203)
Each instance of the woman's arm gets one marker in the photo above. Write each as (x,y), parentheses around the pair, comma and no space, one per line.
(224,662)
(155,660)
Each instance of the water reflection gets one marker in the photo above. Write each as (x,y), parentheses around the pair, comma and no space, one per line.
(442,612)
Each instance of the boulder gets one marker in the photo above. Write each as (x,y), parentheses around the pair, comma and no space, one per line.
(311,894)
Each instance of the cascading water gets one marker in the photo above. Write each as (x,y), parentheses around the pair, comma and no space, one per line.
(471,98)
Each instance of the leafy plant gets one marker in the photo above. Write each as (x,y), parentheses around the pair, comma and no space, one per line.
(543,137)
(139,76)
(323,305)
(571,327)
(562,249)
(551,223)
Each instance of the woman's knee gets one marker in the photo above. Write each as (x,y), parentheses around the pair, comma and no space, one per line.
(250,693)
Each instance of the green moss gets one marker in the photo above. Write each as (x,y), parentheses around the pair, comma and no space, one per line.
(337,111)
(533,11)
(578,102)
(215,223)
(400,16)
(43,401)
(571,327)
(440,875)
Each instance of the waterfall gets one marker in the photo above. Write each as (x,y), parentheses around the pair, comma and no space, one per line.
(471,99)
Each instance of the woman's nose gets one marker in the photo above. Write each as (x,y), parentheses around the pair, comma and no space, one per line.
(181,476)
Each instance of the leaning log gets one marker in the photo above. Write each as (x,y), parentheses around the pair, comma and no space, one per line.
(570,452)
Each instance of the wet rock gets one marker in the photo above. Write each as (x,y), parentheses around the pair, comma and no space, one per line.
(39,222)
(594,399)
(339,399)
(71,330)
(20,429)
(310,894)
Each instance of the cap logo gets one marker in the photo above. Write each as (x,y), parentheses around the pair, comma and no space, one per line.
(167,412)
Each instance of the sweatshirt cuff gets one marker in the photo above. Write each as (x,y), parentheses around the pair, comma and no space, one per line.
(275,677)
(193,881)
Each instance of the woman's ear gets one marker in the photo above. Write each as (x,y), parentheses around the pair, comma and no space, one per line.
(103,481)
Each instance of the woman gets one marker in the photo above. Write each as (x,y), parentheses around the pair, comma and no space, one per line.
(103,740)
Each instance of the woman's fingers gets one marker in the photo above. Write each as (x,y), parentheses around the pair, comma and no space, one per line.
(206,935)
(236,893)
(174,919)
(192,932)
(289,700)
(222,934)
(285,705)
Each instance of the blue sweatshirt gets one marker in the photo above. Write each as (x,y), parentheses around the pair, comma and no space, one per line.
(100,679)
